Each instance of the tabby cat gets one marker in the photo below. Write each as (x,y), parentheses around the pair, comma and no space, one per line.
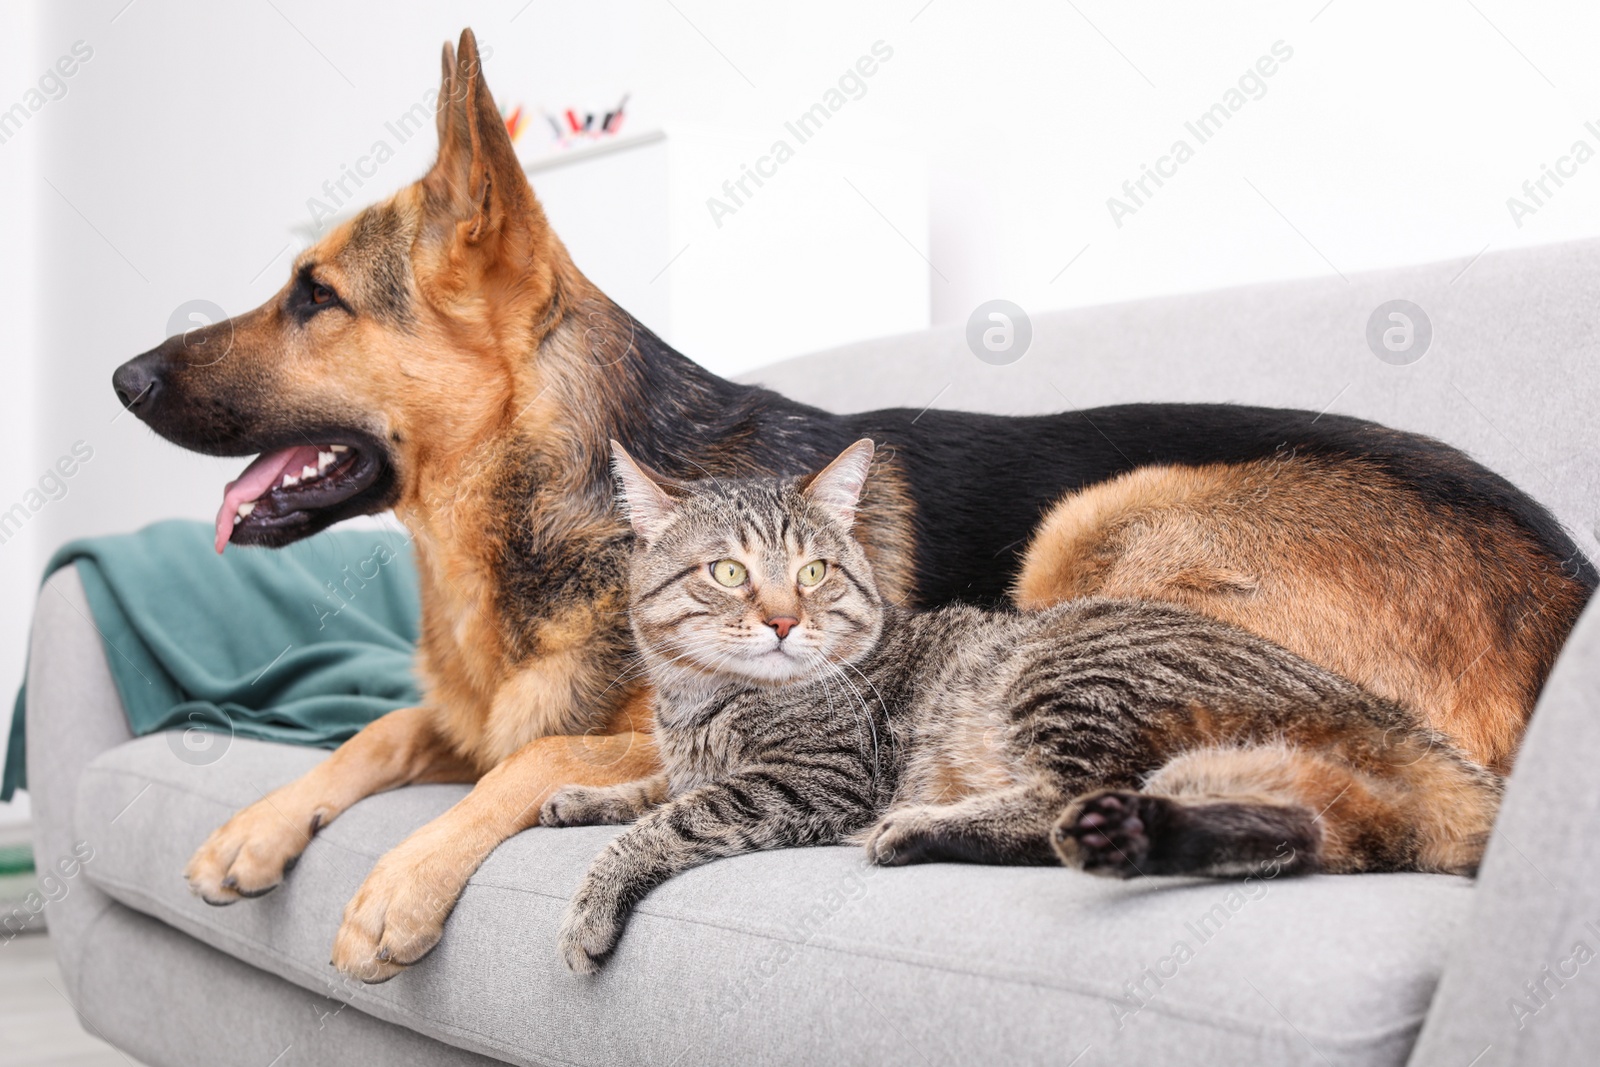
(794,706)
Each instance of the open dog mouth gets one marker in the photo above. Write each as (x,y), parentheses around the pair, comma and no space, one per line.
(282,489)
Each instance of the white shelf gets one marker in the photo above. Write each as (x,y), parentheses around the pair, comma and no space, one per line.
(563,157)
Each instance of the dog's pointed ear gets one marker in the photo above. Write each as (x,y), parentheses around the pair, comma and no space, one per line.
(477,178)
(442,116)
(648,506)
(836,488)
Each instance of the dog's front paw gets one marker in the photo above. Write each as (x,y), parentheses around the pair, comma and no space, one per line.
(1107,833)
(589,932)
(398,914)
(580,805)
(248,855)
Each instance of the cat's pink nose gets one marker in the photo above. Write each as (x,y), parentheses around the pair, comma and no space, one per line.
(782,624)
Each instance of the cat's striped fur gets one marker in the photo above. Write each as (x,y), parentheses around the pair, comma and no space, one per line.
(1125,737)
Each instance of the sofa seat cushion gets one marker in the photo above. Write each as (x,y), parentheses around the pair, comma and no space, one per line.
(804,955)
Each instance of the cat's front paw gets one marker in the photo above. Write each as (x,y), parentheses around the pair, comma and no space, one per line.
(581,805)
(1107,833)
(589,932)
(903,837)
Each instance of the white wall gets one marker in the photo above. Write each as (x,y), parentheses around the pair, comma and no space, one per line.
(18,396)
(741,289)
(191,141)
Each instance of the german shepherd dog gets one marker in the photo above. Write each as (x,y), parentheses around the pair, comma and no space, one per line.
(440,355)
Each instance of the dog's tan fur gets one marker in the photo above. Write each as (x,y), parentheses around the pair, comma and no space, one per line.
(1323,559)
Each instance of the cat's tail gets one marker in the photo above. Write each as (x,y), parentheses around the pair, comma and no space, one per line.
(1276,809)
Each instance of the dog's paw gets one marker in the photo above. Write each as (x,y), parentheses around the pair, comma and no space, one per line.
(249,855)
(398,914)
(590,931)
(580,805)
(1108,832)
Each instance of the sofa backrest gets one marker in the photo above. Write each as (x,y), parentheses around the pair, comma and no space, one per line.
(1511,375)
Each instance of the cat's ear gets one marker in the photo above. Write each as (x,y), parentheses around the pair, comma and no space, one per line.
(646,504)
(837,487)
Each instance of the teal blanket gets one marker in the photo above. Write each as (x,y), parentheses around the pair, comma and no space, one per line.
(304,644)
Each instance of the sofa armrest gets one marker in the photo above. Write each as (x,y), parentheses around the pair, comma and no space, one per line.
(74,713)
(1522,985)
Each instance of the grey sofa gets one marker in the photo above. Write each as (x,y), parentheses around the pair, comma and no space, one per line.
(809,956)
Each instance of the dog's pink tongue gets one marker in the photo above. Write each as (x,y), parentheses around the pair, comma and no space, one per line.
(261,475)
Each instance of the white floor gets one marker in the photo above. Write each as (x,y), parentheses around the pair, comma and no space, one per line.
(38,1027)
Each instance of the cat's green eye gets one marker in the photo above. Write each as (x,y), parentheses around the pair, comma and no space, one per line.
(812,572)
(728,572)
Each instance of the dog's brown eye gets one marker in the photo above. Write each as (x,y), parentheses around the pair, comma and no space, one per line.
(321,294)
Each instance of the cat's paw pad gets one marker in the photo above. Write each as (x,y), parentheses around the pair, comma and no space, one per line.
(577,805)
(1107,833)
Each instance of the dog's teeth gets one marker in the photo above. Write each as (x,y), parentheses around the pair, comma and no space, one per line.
(324,459)
(308,471)
(244,509)
(339,448)
(237,519)
(289,479)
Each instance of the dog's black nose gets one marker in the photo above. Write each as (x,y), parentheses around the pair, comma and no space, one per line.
(137,382)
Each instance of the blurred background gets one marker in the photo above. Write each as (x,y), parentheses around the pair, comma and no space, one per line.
(993,151)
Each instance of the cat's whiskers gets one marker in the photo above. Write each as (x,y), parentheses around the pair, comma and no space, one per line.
(872,724)
(640,665)
(882,703)
(696,665)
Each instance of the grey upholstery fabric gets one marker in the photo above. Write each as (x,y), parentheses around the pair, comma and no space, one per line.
(1522,985)
(805,955)
(172,1002)
(74,714)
